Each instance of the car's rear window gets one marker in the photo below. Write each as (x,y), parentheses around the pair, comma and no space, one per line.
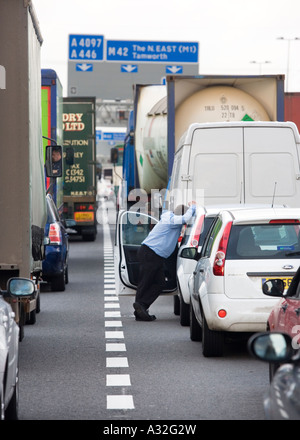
(267,241)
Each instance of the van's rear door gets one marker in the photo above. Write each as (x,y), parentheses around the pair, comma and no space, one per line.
(216,165)
(271,165)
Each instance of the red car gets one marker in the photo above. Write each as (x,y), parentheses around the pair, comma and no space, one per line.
(285,315)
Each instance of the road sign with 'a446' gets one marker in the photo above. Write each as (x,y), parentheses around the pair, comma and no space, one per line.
(86,47)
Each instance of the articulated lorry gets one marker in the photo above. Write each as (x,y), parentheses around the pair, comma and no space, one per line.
(52,128)
(22,181)
(162,113)
(79,187)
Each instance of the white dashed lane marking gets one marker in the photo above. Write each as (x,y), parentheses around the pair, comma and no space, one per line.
(113,322)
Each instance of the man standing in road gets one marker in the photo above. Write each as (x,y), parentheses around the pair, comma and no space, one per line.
(159,245)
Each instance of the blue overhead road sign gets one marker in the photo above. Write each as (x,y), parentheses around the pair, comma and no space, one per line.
(152,51)
(86,47)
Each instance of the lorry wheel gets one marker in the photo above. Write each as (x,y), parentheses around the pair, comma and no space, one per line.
(38,303)
(21,321)
(58,283)
(21,332)
(31,317)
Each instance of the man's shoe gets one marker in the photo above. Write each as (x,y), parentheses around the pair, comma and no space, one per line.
(141,313)
(137,318)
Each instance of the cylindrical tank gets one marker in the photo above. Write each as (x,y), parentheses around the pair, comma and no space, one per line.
(217,104)
(211,104)
(149,144)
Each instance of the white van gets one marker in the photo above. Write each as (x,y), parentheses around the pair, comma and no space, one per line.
(237,162)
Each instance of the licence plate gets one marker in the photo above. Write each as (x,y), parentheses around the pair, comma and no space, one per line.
(84,216)
(287,281)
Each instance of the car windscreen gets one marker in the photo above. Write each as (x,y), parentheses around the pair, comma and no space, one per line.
(264,241)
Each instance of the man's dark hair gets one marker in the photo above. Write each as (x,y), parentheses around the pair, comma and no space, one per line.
(180,210)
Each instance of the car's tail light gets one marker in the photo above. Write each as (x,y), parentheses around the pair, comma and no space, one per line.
(219,263)
(196,236)
(54,234)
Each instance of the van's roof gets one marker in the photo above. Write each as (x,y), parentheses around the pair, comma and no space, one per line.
(187,136)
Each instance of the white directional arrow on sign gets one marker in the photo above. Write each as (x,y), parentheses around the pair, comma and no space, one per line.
(129,68)
(174,69)
(84,67)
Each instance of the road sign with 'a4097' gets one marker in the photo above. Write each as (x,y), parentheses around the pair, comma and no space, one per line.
(108,69)
(86,47)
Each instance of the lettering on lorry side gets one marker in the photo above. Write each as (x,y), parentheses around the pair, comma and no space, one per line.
(2,78)
(73,122)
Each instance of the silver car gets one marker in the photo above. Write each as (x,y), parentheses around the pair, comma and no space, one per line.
(9,346)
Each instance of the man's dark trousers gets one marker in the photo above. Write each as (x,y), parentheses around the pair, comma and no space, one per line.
(151,278)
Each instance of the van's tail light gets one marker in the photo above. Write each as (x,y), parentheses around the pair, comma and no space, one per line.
(196,236)
(54,234)
(219,263)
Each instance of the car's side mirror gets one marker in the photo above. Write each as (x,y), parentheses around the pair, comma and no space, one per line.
(189,253)
(274,287)
(271,347)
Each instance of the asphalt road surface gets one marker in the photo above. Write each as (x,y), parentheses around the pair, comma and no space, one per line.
(86,358)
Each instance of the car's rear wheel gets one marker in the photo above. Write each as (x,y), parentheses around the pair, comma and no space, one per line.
(195,329)
(184,312)
(176,305)
(212,341)
(66,275)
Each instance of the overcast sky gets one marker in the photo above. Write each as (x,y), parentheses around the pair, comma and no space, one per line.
(231,33)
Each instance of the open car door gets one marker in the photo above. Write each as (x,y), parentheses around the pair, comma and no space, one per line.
(131,229)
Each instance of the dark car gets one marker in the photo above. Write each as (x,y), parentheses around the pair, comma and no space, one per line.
(282,401)
(55,264)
